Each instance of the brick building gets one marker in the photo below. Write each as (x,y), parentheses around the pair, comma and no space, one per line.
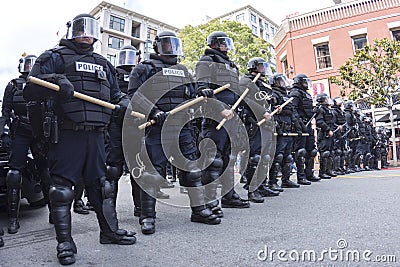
(319,42)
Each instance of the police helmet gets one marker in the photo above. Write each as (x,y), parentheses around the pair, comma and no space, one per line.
(259,65)
(323,98)
(349,105)
(220,38)
(127,56)
(83,25)
(302,81)
(26,63)
(338,101)
(279,80)
(166,43)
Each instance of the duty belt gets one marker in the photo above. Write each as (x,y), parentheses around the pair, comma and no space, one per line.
(66,125)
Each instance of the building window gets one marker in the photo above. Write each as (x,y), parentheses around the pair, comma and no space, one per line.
(323,56)
(151,33)
(266,27)
(272,31)
(254,30)
(114,42)
(396,34)
(117,24)
(240,17)
(267,37)
(112,59)
(253,18)
(284,65)
(359,42)
(135,29)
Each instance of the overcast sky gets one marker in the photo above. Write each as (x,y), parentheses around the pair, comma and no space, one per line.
(32,26)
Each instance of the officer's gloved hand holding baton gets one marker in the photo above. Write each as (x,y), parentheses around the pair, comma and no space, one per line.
(65,89)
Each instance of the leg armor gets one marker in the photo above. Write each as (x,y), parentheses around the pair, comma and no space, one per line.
(300,163)
(61,196)
(286,182)
(102,198)
(211,174)
(14,184)
(148,201)
(324,165)
(310,165)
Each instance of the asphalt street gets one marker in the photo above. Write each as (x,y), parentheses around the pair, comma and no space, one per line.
(351,220)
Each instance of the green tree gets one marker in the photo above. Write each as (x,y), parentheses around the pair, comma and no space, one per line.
(247,45)
(372,74)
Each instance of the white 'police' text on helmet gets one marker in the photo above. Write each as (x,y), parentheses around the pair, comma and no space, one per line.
(220,38)
(83,25)
(26,63)
(166,43)
(126,56)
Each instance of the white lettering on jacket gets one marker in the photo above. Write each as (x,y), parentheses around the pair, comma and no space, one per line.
(173,72)
(87,67)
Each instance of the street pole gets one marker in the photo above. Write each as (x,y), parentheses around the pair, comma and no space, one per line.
(393,132)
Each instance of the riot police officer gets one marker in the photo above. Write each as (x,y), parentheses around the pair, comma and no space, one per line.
(339,150)
(126,59)
(325,123)
(257,107)
(304,146)
(14,109)
(161,84)
(383,136)
(350,135)
(79,152)
(285,123)
(215,69)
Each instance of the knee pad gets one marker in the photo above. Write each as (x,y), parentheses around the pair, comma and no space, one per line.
(14,179)
(216,165)
(114,172)
(301,153)
(61,195)
(152,179)
(253,161)
(289,158)
(313,153)
(325,154)
(192,177)
(338,152)
(278,158)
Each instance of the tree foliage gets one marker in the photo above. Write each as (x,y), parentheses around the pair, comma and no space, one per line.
(372,74)
(246,44)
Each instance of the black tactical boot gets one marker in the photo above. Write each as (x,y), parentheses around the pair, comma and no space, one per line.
(265,191)
(313,178)
(204,215)
(233,200)
(255,197)
(289,184)
(303,181)
(79,207)
(147,216)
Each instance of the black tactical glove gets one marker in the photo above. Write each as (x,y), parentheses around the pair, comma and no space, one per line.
(118,113)
(66,88)
(206,92)
(159,116)
(303,126)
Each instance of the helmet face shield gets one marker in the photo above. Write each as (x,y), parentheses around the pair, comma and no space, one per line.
(126,57)
(225,41)
(170,46)
(282,81)
(306,83)
(84,27)
(264,68)
(26,64)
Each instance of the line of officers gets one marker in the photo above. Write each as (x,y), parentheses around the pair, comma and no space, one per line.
(73,140)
